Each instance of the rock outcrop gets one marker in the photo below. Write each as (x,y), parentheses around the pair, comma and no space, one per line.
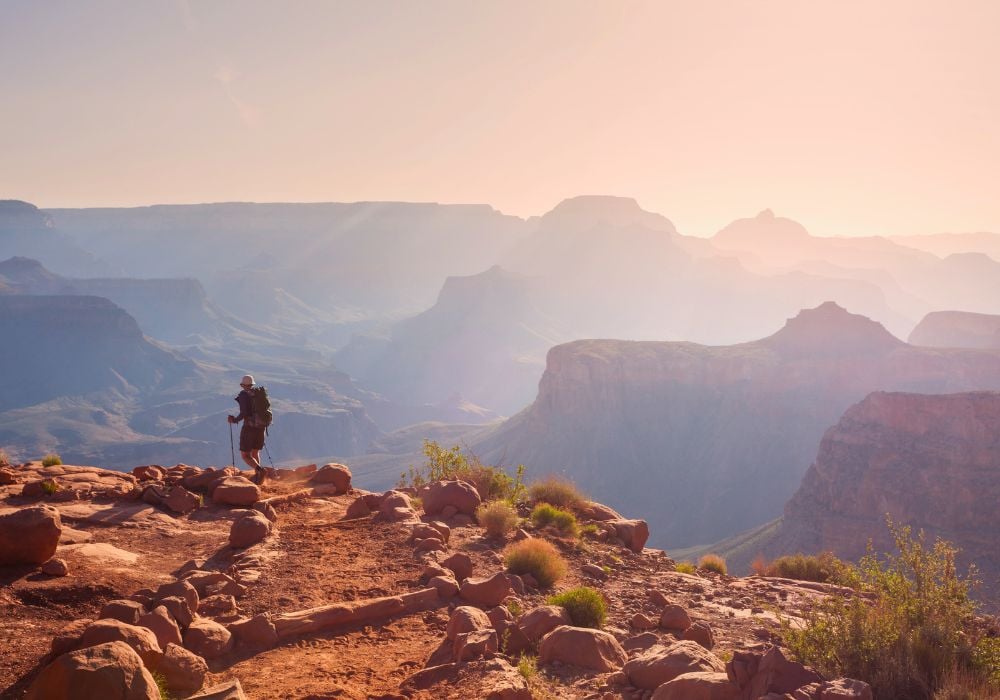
(957,329)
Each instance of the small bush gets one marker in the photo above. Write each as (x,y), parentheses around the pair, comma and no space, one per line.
(821,568)
(527,666)
(492,482)
(545,514)
(712,562)
(514,607)
(685,567)
(910,636)
(590,530)
(556,490)
(49,486)
(161,685)
(586,606)
(4,459)
(497,517)
(51,460)
(537,557)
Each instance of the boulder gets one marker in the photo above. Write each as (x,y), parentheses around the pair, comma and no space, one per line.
(700,632)
(68,638)
(127,611)
(7,476)
(142,640)
(29,535)
(486,591)
(180,500)
(150,472)
(161,624)
(55,567)
(641,621)
(208,638)
(230,690)
(538,622)
(363,506)
(475,644)
(431,544)
(395,506)
(641,642)
(447,587)
(236,491)
(659,664)
(179,588)
(179,609)
(500,619)
(112,670)
(839,689)
(221,605)
(760,673)
(249,529)
(256,632)
(590,510)
(40,488)
(267,510)
(460,564)
(182,670)
(203,580)
(674,617)
(466,618)
(633,533)
(699,685)
(461,495)
(594,571)
(586,648)
(337,474)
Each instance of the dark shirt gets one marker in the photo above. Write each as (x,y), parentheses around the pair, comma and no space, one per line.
(246,405)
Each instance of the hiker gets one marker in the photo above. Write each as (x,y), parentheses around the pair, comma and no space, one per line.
(252,432)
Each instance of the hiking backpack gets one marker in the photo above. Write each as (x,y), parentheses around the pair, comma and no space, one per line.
(260,407)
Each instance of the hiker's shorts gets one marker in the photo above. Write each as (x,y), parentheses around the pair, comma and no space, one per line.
(251,438)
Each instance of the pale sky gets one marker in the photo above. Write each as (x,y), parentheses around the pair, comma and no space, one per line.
(852,117)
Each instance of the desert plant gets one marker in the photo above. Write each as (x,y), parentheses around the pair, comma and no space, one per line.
(685,567)
(712,562)
(4,459)
(545,514)
(492,482)
(51,460)
(161,685)
(821,568)
(586,606)
(537,557)
(557,491)
(497,517)
(514,607)
(49,486)
(908,632)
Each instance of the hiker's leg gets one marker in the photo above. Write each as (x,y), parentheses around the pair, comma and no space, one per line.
(251,458)
(259,470)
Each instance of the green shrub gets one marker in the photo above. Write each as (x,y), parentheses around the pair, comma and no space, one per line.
(821,568)
(537,557)
(49,486)
(51,460)
(492,482)
(161,685)
(685,567)
(909,635)
(713,562)
(497,517)
(545,514)
(527,666)
(586,606)
(556,490)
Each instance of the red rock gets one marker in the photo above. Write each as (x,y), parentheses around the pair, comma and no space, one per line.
(423,531)
(257,632)
(337,474)
(538,622)
(474,644)
(217,606)
(449,512)
(229,587)
(641,642)
(180,500)
(699,685)
(660,664)
(7,476)
(55,567)
(112,670)
(182,670)
(179,588)
(839,689)
(586,648)
(179,609)
(431,544)
(68,638)
(29,535)
(486,591)
(446,586)
(700,632)
(151,472)
(40,488)
(236,491)
(267,510)
(594,571)
(674,617)
(591,510)
(208,639)
(633,533)
(466,618)
(161,624)
(760,673)
(460,564)
(640,621)
(127,611)
(459,494)
(230,690)
(249,529)
(142,640)
(500,619)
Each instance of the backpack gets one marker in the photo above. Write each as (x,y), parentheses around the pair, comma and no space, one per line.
(260,408)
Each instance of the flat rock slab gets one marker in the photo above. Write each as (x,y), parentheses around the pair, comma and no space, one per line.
(100,550)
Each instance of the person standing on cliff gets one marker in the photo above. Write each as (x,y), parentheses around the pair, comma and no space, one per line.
(252,432)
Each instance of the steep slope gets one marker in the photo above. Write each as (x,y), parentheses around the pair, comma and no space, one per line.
(27,231)
(710,441)
(931,462)
(957,329)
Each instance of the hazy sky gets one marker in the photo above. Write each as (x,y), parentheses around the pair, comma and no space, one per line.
(852,117)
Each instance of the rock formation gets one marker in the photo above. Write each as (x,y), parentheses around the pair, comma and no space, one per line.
(957,329)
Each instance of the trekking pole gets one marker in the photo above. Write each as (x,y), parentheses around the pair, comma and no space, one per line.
(232,448)
(268,453)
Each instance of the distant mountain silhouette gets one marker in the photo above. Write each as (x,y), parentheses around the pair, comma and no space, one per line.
(957,329)
(27,231)
(711,441)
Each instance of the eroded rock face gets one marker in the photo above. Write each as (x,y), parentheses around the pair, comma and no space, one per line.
(930,461)
(586,648)
(660,664)
(112,670)
(29,535)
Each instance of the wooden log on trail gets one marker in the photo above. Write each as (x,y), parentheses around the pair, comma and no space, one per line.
(301,622)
